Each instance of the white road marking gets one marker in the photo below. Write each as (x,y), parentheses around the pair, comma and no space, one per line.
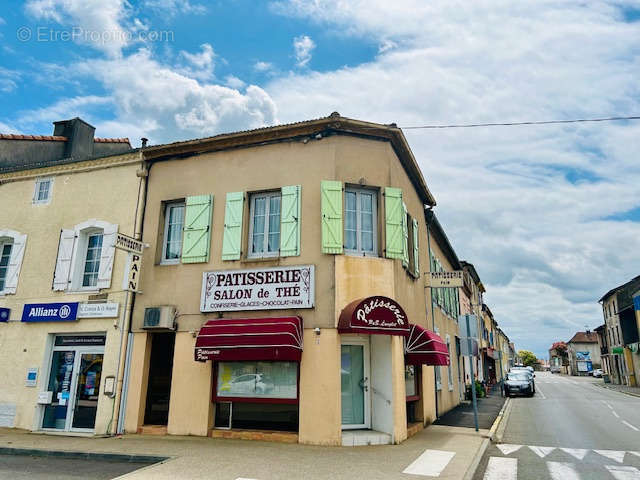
(630,426)
(579,453)
(616,455)
(608,405)
(540,392)
(635,453)
(542,451)
(620,472)
(430,464)
(615,414)
(562,471)
(507,448)
(500,468)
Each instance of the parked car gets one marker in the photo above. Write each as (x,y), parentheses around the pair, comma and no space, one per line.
(556,369)
(597,373)
(526,371)
(519,382)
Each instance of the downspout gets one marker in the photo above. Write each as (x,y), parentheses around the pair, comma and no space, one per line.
(143,174)
(429,216)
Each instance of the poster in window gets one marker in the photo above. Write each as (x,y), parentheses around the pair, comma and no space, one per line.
(257,379)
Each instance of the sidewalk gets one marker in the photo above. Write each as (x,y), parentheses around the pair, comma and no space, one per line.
(488,410)
(635,391)
(208,458)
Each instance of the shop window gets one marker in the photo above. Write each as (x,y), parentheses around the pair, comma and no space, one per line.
(173,228)
(449,367)
(360,221)
(411,382)
(42,191)
(264,228)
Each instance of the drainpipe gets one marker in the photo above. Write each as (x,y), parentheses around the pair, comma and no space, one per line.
(429,217)
(126,326)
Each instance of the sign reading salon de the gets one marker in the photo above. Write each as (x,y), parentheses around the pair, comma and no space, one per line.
(258,289)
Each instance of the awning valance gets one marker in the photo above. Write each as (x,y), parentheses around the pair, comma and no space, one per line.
(424,347)
(248,339)
(370,315)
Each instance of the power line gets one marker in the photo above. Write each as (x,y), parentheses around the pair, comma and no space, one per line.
(512,124)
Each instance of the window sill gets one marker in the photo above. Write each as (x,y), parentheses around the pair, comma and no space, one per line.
(273,258)
(354,253)
(82,291)
(167,263)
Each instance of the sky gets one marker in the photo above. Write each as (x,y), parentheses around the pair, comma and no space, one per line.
(549,215)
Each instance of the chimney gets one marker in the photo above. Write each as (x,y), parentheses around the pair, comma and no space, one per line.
(144,141)
(79,135)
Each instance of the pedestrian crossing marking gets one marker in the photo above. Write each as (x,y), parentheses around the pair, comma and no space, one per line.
(616,455)
(507,448)
(542,451)
(562,471)
(501,468)
(579,453)
(620,472)
(635,453)
(430,464)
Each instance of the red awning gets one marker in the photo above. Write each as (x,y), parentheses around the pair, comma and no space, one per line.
(425,347)
(248,339)
(374,315)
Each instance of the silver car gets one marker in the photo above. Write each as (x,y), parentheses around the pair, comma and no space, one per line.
(519,382)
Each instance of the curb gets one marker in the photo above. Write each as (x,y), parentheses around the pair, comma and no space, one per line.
(473,466)
(499,419)
(616,390)
(116,457)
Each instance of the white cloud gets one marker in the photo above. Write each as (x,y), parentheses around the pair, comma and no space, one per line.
(262,66)
(63,109)
(8,80)
(508,197)
(234,82)
(200,65)
(174,7)
(302,47)
(6,128)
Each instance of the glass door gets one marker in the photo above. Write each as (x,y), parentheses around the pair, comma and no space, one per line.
(85,403)
(354,374)
(60,383)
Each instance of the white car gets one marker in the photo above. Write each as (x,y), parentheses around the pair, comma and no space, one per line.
(597,373)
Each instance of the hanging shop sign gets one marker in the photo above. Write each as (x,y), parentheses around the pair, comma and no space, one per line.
(617,350)
(444,279)
(124,242)
(98,310)
(258,289)
(50,312)
(4,314)
(132,276)
(380,315)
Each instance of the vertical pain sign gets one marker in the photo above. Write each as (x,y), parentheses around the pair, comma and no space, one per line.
(132,279)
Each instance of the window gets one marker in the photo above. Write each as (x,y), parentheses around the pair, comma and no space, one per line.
(264,234)
(92,260)
(173,227)
(449,368)
(42,192)
(278,380)
(411,382)
(5,255)
(360,221)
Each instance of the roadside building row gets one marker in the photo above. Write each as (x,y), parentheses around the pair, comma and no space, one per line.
(270,283)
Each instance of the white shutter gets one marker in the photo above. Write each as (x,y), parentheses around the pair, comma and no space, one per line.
(15,262)
(107,255)
(63,263)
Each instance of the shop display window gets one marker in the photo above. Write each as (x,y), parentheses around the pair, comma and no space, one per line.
(275,380)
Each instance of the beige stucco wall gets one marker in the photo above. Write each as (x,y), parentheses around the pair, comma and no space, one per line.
(138,381)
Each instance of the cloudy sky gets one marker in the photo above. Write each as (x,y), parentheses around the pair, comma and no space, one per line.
(549,215)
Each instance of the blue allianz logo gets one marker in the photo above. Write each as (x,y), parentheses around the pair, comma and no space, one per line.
(50,312)
(4,314)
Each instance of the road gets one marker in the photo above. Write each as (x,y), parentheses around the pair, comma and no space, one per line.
(572,429)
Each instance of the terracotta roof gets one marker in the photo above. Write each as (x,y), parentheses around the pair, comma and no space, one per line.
(584,337)
(56,138)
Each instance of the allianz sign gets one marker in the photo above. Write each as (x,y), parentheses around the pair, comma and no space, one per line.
(50,312)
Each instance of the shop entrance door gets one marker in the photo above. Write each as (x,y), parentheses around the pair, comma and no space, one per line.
(159,385)
(355,384)
(74,383)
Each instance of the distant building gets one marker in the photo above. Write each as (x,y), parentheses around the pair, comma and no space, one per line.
(584,353)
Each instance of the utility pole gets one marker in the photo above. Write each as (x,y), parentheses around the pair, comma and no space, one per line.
(473,380)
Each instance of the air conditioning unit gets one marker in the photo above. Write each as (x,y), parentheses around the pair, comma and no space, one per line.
(159,318)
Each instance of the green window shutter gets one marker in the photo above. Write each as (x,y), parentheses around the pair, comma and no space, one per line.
(405,237)
(393,213)
(331,204)
(416,250)
(196,239)
(232,237)
(290,221)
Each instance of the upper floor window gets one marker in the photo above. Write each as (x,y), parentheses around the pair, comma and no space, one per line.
(42,192)
(5,255)
(360,221)
(264,234)
(173,228)
(92,260)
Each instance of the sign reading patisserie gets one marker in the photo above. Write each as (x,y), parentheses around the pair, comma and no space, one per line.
(374,315)
(258,289)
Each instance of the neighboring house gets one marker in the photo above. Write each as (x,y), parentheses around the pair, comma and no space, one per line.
(489,353)
(285,268)
(583,351)
(64,197)
(471,303)
(622,328)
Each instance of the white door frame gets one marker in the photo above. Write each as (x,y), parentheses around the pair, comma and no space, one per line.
(366,353)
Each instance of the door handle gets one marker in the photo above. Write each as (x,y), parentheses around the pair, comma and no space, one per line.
(364,384)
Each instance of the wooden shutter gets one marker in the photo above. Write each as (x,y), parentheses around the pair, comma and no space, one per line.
(232,235)
(416,249)
(196,240)
(107,255)
(290,221)
(393,213)
(15,262)
(62,273)
(405,237)
(331,204)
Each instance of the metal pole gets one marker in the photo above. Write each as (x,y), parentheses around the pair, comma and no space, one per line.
(473,380)
(501,373)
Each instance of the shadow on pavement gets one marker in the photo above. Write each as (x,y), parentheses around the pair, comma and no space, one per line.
(488,410)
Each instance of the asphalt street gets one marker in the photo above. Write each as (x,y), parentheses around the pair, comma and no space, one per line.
(571,429)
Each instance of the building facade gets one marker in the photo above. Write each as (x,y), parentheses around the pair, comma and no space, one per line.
(583,352)
(283,288)
(64,197)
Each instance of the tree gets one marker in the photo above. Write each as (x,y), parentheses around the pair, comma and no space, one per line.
(528,358)
(560,348)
